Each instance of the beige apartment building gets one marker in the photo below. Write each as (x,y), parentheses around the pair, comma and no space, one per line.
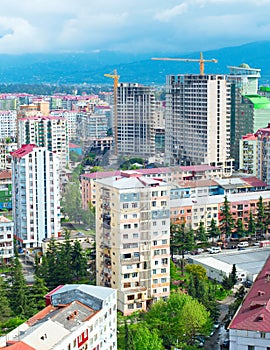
(132,239)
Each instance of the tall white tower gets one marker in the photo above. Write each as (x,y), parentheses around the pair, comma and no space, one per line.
(35,194)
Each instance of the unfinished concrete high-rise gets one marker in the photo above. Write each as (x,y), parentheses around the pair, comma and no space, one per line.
(135,120)
(197,122)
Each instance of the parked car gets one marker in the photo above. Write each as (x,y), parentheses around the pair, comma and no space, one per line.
(248,284)
(214,250)
(242,245)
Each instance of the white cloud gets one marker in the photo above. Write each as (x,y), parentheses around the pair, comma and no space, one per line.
(152,25)
(168,14)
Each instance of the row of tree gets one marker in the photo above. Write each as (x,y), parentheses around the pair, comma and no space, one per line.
(184,238)
(63,263)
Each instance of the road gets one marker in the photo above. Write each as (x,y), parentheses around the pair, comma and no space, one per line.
(214,342)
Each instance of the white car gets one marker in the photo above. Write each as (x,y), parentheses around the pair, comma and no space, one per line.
(214,250)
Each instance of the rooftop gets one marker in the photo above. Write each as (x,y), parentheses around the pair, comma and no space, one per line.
(259,102)
(254,314)
(23,151)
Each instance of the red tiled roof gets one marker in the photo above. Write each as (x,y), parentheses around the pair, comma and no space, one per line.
(254,181)
(254,314)
(40,315)
(17,345)
(72,145)
(5,174)
(23,151)
(249,137)
(200,167)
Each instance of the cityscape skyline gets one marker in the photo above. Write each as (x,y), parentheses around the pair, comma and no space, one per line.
(65,26)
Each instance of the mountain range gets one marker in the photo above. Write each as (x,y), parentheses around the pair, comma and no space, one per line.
(89,68)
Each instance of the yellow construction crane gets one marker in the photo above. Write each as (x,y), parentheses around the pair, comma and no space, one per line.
(115,78)
(201,60)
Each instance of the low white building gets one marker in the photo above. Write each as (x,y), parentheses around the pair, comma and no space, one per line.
(78,317)
(250,327)
(216,269)
(6,239)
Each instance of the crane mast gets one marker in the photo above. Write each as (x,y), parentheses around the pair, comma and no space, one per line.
(115,78)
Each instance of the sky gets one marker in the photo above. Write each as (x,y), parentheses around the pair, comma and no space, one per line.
(138,26)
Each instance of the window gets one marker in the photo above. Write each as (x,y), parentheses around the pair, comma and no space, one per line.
(163,270)
(163,193)
(154,272)
(164,241)
(155,280)
(156,262)
(134,205)
(126,226)
(125,236)
(163,222)
(251,347)
(126,275)
(262,334)
(134,274)
(134,216)
(125,205)
(164,261)
(154,223)
(164,290)
(154,242)
(154,291)
(163,251)
(125,216)
(156,252)
(135,235)
(163,203)
(163,280)
(130,306)
(154,204)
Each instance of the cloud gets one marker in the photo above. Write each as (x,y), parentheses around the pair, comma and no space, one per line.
(168,14)
(141,26)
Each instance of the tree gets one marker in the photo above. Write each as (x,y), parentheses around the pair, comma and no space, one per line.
(78,260)
(197,270)
(18,292)
(226,221)
(143,339)
(5,311)
(37,294)
(240,229)
(201,233)
(260,217)
(213,230)
(179,318)
(229,281)
(251,224)
(72,201)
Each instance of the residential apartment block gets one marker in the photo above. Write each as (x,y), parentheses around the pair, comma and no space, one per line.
(8,124)
(5,190)
(249,328)
(6,239)
(248,154)
(133,239)
(77,317)
(49,132)
(35,195)
(244,81)
(197,123)
(170,175)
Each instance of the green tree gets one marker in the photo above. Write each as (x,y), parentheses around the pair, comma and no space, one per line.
(251,225)
(213,230)
(240,229)
(143,339)
(226,221)
(260,218)
(72,201)
(37,294)
(196,270)
(179,318)
(18,292)
(78,260)
(5,311)
(201,234)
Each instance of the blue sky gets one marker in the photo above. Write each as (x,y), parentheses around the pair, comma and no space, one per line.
(139,26)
